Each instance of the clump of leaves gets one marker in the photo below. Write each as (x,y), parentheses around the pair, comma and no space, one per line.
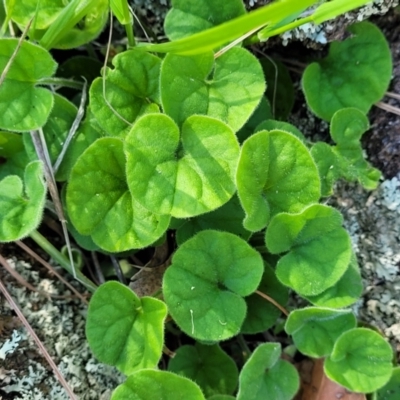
(192,148)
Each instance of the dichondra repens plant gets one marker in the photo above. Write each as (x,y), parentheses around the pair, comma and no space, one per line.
(182,141)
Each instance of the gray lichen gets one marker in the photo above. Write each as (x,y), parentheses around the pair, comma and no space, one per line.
(60,323)
(312,35)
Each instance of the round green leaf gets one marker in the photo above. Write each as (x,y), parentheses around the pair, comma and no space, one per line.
(99,202)
(361,361)
(184,174)
(347,127)
(210,367)
(23,106)
(187,17)
(88,29)
(227,218)
(315,330)
(356,73)
(391,391)
(228,89)
(204,286)
(131,90)
(265,376)
(123,330)
(44,12)
(345,292)
(275,173)
(78,26)
(318,248)
(78,23)
(22,207)
(152,384)
(261,314)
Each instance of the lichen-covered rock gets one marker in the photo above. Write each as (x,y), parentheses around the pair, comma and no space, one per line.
(312,35)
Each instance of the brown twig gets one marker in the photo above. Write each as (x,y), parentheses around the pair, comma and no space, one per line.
(272,301)
(51,269)
(41,346)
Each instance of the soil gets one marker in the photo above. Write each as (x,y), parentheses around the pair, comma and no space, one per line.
(382,142)
(372,218)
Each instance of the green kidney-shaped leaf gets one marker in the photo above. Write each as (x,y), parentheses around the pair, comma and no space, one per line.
(183,173)
(361,361)
(391,391)
(347,127)
(261,314)
(356,73)
(131,90)
(265,376)
(77,23)
(315,330)
(88,29)
(210,367)
(275,173)
(99,202)
(23,106)
(22,207)
(149,384)
(228,89)
(205,285)
(227,218)
(125,330)
(44,12)
(318,248)
(188,17)
(58,23)
(345,292)
(346,159)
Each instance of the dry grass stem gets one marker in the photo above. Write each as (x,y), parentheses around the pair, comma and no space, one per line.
(272,301)
(40,345)
(388,107)
(14,54)
(51,269)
